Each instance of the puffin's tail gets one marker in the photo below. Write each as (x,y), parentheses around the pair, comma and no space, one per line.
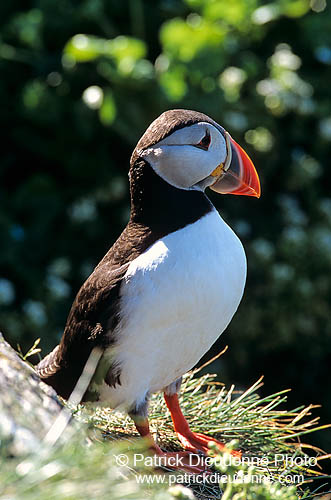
(52,373)
(61,376)
(49,365)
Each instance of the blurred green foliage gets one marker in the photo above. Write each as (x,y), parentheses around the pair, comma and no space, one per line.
(80,82)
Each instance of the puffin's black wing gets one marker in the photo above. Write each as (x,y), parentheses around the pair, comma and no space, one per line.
(91,323)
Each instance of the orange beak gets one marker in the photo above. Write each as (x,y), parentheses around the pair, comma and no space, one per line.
(238,175)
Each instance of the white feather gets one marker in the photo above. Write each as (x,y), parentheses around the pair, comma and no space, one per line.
(177,298)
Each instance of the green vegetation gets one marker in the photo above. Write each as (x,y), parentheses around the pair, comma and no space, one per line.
(84,461)
(80,81)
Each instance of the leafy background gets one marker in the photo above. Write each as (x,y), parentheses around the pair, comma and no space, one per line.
(80,82)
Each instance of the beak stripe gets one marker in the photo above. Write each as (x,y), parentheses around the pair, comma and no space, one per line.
(223,167)
(229,151)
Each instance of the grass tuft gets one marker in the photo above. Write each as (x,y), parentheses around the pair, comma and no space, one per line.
(78,457)
(268,435)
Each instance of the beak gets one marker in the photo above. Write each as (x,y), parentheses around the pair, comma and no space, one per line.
(238,174)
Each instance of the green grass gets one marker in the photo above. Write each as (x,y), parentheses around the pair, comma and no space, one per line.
(81,463)
(268,434)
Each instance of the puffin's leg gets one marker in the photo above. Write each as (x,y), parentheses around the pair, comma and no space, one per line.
(139,415)
(181,460)
(191,441)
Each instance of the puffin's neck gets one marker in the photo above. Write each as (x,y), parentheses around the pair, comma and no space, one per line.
(162,207)
(157,209)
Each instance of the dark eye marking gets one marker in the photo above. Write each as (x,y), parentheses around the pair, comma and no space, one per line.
(205,142)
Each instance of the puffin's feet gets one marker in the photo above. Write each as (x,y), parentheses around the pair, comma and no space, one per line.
(184,461)
(191,441)
(196,442)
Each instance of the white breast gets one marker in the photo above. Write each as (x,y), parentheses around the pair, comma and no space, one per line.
(177,298)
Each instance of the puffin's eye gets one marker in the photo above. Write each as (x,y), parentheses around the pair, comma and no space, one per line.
(205,142)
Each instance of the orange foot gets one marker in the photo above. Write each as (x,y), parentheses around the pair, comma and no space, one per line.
(195,442)
(178,460)
(191,441)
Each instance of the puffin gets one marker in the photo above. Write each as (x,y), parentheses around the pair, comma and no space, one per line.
(169,285)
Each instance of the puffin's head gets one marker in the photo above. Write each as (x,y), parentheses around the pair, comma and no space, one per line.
(189,150)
